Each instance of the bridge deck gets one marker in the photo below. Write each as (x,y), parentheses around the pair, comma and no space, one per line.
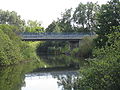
(45,36)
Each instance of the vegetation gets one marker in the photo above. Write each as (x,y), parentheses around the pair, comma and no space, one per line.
(107,17)
(12,49)
(11,18)
(34,26)
(82,20)
(103,72)
(12,77)
(85,48)
(9,49)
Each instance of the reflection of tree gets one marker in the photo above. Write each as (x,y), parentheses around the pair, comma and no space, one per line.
(67,82)
(12,78)
(61,60)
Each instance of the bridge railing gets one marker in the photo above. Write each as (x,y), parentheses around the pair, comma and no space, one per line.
(28,35)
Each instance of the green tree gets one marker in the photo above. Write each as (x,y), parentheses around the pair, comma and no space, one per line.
(12,49)
(9,50)
(11,18)
(84,17)
(63,24)
(34,26)
(103,73)
(108,17)
(53,27)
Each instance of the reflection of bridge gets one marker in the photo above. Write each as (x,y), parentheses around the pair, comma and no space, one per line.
(53,36)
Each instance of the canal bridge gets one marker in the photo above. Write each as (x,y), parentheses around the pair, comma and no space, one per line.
(73,38)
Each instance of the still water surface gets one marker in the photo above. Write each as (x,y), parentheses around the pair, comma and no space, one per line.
(48,80)
(24,76)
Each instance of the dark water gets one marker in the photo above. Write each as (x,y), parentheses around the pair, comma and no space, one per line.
(25,77)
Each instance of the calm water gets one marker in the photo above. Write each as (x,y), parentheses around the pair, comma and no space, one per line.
(25,76)
(49,80)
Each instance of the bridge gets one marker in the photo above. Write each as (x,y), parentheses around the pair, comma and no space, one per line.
(73,38)
(53,36)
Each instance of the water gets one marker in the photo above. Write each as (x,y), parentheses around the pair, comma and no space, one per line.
(30,76)
(48,80)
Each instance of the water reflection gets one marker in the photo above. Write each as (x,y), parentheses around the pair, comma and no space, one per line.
(55,80)
(62,60)
(19,77)
(12,77)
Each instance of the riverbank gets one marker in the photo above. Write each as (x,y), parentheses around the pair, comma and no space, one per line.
(12,49)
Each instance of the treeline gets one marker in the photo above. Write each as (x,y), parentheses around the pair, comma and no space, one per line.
(86,18)
(12,49)
(81,20)
(103,72)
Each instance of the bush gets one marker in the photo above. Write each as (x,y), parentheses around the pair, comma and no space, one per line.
(104,70)
(85,48)
(9,52)
(12,49)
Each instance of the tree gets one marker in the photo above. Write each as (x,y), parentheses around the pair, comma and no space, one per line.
(104,69)
(11,18)
(108,17)
(84,17)
(10,51)
(53,27)
(34,26)
(66,21)
(63,24)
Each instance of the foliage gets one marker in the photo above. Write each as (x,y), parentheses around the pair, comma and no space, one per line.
(12,49)
(84,17)
(10,52)
(107,18)
(62,61)
(13,77)
(85,48)
(63,24)
(33,26)
(51,47)
(11,18)
(104,70)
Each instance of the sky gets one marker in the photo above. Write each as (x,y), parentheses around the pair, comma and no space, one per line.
(44,11)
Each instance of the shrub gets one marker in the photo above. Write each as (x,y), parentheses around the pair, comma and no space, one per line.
(104,70)
(85,48)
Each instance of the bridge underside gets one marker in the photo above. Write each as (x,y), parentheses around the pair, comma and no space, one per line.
(51,39)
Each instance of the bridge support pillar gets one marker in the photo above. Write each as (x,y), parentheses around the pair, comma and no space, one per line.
(73,44)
